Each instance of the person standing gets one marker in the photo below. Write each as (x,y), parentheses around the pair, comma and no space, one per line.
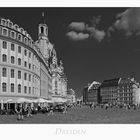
(29,110)
(19,111)
(65,109)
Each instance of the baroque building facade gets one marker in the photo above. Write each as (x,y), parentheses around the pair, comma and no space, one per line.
(59,81)
(26,66)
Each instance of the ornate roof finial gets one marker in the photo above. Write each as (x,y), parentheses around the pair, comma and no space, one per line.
(43,17)
(42,14)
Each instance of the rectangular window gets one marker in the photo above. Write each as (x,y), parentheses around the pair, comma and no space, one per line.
(29,90)
(12,73)
(25,89)
(25,76)
(29,77)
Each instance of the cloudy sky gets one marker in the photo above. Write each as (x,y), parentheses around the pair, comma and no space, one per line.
(94,43)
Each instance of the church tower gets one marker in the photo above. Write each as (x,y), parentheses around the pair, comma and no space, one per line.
(43,29)
(43,41)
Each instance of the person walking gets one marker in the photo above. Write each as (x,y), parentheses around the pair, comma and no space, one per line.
(50,110)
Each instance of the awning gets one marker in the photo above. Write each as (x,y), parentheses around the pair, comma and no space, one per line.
(59,100)
(41,100)
(20,100)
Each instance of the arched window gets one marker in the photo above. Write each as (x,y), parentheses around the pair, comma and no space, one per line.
(12,87)
(19,49)
(42,29)
(12,73)
(19,74)
(4,86)
(19,88)
(19,61)
(12,34)
(25,89)
(12,47)
(4,45)
(4,57)
(12,59)
(19,37)
(4,73)
(5,32)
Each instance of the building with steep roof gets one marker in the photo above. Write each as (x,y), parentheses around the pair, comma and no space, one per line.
(108,90)
(128,91)
(91,93)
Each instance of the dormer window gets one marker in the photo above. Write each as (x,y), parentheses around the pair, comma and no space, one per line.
(16,27)
(3,22)
(4,31)
(12,34)
(10,25)
(25,33)
(21,30)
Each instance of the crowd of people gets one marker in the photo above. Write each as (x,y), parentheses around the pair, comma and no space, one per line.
(111,105)
(26,110)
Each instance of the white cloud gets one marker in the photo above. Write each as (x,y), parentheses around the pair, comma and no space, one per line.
(77,36)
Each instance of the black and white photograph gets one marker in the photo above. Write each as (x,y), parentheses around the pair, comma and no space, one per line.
(69,65)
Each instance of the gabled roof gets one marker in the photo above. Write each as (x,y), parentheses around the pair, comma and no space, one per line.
(125,81)
(93,84)
(110,82)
